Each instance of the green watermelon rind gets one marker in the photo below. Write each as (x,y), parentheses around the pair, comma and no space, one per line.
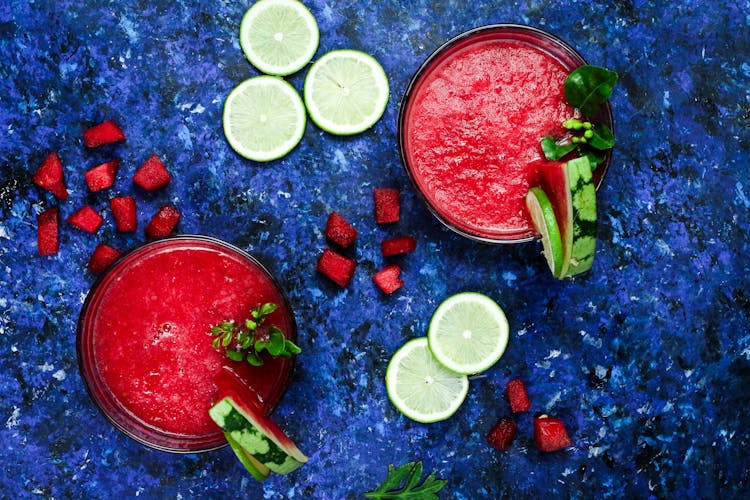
(261,441)
(253,466)
(579,240)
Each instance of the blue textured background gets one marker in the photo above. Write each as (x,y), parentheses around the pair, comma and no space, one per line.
(647,358)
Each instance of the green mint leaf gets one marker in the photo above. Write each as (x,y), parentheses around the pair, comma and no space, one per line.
(251,325)
(226,339)
(276,343)
(602,137)
(216,342)
(594,156)
(235,355)
(268,308)
(588,88)
(291,347)
(554,151)
(254,359)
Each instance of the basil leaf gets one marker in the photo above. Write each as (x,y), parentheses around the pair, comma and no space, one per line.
(554,151)
(588,88)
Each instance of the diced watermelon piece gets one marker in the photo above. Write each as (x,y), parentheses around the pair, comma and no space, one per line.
(104,133)
(152,174)
(387,205)
(388,279)
(550,433)
(339,231)
(87,219)
(47,233)
(338,268)
(163,222)
(102,257)
(49,176)
(502,434)
(396,246)
(519,400)
(102,176)
(123,211)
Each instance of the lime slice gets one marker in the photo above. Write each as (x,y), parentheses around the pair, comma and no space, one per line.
(346,92)
(543,217)
(264,118)
(279,36)
(420,387)
(468,333)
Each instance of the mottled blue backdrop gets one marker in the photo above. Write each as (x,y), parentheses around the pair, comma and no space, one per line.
(646,358)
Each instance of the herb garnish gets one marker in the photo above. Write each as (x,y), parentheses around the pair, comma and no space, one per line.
(249,342)
(586,88)
(403,482)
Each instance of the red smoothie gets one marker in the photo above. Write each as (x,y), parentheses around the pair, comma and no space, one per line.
(144,347)
(471,125)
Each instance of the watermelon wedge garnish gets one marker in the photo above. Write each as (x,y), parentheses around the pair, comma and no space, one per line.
(240,414)
(570,188)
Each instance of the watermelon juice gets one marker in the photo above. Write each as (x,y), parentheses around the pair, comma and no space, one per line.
(471,122)
(144,345)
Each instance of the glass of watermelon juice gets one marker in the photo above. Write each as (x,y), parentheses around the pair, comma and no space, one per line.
(143,341)
(471,122)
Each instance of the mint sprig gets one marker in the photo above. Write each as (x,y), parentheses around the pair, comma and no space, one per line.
(249,341)
(586,88)
(403,483)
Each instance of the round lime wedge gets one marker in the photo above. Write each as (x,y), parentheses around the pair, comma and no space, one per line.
(279,37)
(346,92)
(264,118)
(468,333)
(545,223)
(420,387)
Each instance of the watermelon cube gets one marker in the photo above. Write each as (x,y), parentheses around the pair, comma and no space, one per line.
(396,246)
(47,234)
(502,434)
(339,231)
(104,133)
(49,176)
(550,433)
(102,176)
(102,257)
(123,211)
(86,219)
(163,222)
(387,205)
(388,279)
(152,174)
(519,400)
(335,266)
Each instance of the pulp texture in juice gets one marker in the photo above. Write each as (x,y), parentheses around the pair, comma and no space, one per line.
(150,343)
(472,131)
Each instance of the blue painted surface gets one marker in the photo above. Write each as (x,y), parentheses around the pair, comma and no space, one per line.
(646,359)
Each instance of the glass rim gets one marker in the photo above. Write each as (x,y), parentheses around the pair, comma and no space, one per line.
(119,416)
(605,115)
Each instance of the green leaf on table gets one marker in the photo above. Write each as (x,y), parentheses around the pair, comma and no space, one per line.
(588,88)
(405,482)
